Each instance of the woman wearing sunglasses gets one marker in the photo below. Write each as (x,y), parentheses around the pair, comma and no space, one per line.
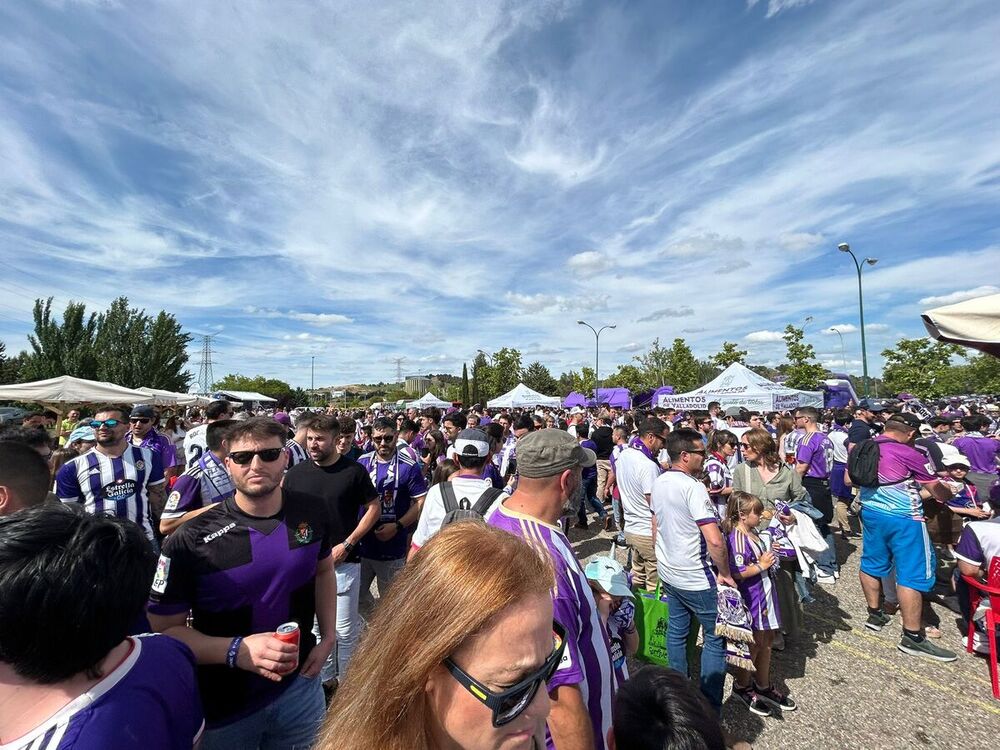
(458,654)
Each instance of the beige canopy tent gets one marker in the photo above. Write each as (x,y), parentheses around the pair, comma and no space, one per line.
(974,323)
(169,398)
(69,390)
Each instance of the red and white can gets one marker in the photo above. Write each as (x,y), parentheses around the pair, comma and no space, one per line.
(289,633)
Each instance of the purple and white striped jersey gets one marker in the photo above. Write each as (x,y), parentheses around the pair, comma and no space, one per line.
(205,483)
(150,700)
(760,592)
(586,663)
(296,453)
(115,486)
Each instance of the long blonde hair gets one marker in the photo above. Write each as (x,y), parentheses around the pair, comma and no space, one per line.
(466,575)
(740,503)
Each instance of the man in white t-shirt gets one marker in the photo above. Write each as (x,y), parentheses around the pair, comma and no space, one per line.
(472,452)
(635,471)
(691,557)
(195,442)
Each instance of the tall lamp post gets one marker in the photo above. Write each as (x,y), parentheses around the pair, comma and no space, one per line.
(843,352)
(845,248)
(597,353)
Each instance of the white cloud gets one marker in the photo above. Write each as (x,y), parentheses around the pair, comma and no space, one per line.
(842,328)
(667,312)
(706,244)
(764,337)
(797,242)
(959,296)
(632,346)
(589,263)
(876,327)
(774,7)
(314,319)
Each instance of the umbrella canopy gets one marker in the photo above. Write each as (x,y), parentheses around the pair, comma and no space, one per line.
(247,396)
(522,395)
(69,390)
(974,323)
(169,398)
(428,399)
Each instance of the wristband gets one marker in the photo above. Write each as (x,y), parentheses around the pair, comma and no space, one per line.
(234,650)
(399,526)
(347,546)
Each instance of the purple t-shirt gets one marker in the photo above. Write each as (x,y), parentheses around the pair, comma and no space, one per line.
(586,662)
(760,591)
(981,451)
(150,700)
(160,444)
(901,469)
(398,483)
(816,450)
(591,471)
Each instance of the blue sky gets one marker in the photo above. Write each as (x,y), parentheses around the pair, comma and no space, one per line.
(364,181)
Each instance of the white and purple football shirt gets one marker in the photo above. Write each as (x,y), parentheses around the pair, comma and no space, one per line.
(118,486)
(205,483)
(150,700)
(586,662)
(816,451)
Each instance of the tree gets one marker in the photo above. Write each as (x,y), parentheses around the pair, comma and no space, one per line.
(727,355)
(503,372)
(538,377)
(921,367)
(11,367)
(65,348)
(984,373)
(654,364)
(803,372)
(480,373)
(165,355)
(465,385)
(276,389)
(681,367)
(628,376)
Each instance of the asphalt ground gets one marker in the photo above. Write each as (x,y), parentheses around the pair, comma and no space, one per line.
(853,688)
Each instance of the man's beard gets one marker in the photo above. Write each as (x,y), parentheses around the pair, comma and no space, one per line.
(321,456)
(258,491)
(572,503)
(107,441)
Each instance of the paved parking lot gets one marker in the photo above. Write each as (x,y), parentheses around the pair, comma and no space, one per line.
(853,687)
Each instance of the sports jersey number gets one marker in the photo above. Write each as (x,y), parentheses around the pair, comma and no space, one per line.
(194,453)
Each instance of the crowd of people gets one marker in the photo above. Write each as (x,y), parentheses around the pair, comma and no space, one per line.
(208,578)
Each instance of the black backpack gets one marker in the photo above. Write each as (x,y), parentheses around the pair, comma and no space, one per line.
(862,463)
(463,510)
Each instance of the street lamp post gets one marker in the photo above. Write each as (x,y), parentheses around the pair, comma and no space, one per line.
(843,352)
(312,374)
(597,353)
(845,248)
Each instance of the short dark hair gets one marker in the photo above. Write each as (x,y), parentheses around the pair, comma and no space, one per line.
(938,421)
(384,423)
(34,437)
(216,432)
(72,584)
(407,425)
(260,428)
(433,413)
(523,422)
(810,412)
(660,709)
(121,411)
(347,426)
(457,418)
(218,409)
(842,417)
(652,425)
(325,423)
(471,462)
(25,472)
(972,423)
(494,431)
(684,439)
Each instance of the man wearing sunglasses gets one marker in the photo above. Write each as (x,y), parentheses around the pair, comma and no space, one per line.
(550,485)
(240,570)
(143,433)
(115,476)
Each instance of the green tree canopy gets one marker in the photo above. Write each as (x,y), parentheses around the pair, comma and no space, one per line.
(276,389)
(682,369)
(803,372)
(62,348)
(628,376)
(654,364)
(538,377)
(727,355)
(922,367)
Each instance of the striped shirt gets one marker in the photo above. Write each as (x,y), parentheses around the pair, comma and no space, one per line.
(586,663)
(118,486)
(296,453)
(205,483)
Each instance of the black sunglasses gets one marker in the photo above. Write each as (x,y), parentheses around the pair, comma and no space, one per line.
(140,420)
(109,423)
(508,704)
(244,457)
(384,439)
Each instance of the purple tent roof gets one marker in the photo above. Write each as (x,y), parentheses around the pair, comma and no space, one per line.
(574,399)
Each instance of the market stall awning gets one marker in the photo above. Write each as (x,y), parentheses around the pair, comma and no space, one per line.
(974,323)
(69,390)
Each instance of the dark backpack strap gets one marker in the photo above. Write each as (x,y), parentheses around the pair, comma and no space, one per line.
(486,500)
(449,498)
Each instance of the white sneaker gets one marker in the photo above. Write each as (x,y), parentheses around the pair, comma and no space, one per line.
(825,579)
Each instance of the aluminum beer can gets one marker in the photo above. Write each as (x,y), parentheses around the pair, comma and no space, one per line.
(289,633)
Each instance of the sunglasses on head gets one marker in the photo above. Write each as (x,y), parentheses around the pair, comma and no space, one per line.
(140,420)
(508,704)
(97,424)
(244,457)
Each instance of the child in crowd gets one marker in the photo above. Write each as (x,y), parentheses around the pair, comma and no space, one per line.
(754,567)
(614,601)
(965,499)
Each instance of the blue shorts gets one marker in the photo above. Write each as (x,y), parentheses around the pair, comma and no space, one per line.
(894,541)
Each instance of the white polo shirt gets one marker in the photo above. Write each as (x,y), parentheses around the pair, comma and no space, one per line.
(634,475)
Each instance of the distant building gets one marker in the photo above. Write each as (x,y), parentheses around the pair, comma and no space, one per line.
(417,385)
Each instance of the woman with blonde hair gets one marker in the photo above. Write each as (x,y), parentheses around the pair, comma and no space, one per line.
(458,653)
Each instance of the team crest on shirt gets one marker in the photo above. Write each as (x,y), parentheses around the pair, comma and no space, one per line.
(119,489)
(738,559)
(140,464)
(172,500)
(304,533)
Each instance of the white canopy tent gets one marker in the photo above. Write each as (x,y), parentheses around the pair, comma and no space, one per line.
(974,323)
(738,385)
(249,396)
(69,390)
(169,398)
(523,396)
(428,399)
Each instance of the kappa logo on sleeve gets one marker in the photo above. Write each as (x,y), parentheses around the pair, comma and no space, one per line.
(162,573)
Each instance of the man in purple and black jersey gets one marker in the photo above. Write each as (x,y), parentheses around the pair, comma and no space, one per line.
(814,463)
(202,485)
(401,488)
(71,678)
(143,421)
(115,477)
(240,570)
(550,485)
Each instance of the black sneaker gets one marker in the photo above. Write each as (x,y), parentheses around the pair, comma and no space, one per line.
(877,621)
(752,701)
(925,649)
(773,697)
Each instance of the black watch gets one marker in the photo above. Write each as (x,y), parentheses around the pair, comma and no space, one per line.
(348,546)
(399,526)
